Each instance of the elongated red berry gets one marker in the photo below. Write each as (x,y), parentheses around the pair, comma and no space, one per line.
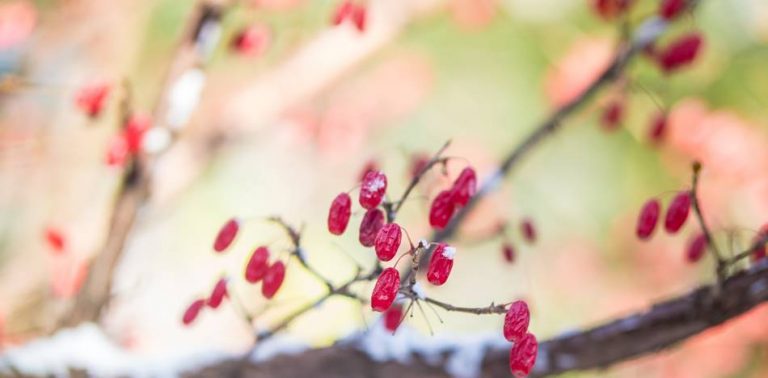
(91,98)
(610,9)
(648,218)
(516,321)
(762,251)
(193,311)
(392,317)
(135,128)
(218,293)
(388,241)
(257,265)
(372,189)
(385,290)
(338,215)
(528,230)
(677,213)
(273,279)
(696,248)
(465,186)
(658,127)
(226,235)
(359,17)
(440,264)
(372,222)
(252,40)
(508,251)
(55,239)
(680,53)
(612,115)
(343,11)
(670,9)
(442,210)
(522,356)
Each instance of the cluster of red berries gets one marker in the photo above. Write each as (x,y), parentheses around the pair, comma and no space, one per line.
(528,231)
(523,354)
(677,214)
(449,201)
(350,11)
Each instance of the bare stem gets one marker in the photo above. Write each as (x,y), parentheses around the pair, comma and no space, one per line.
(711,245)
(393,208)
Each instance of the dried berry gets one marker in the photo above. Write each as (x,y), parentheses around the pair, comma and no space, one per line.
(516,321)
(372,189)
(528,230)
(670,9)
(372,222)
(257,265)
(465,186)
(696,248)
(91,99)
(508,251)
(440,264)
(522,356)
(680,53)
(392,317)
(658,127)
(193,311)
(388,241)
(385,290)
(55,239)
(226,235)
(442,209)
(612,115)
(273,279)
(218,293)
(677,213)
(649,217)
(338,215)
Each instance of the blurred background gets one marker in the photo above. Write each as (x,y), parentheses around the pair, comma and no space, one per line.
(289,118)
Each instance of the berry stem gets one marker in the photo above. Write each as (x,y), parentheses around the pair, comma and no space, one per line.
(722,264)
(392,208)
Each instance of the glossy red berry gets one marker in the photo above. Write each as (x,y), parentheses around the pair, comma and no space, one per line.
(135,128)
(359,17)
(508,251)
(385,290)
(273,279)
(680,53)
(522,356)
(670,9)
(516,321)
(257,265)
(648,218)
(338,215)
(372,222)
(658,127)
(388,241)
(696,248)
(442,210)
(226,235)
(252,41)
(528,230)
(55,239)
(610,9)
(440,264)
(418,163)
(91,99)
(343,11)
(193,311)
(612,115)
(465,186)
(677,213)
(392,317)
(762,251)
(372,189)
(218,293)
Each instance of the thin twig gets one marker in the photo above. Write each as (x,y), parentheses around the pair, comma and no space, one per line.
(721,264)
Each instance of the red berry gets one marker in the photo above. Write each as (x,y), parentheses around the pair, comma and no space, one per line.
(677,213)
(649,217)
(359,17)
(372,222)
(273,279)
(90,99)
(670,9)
(385,290)
(465,186)
(612,115)
(388,241)
(680,53)
(658,127)
(338,216)
(218,293)
(370,165)
(192,311)
(252,41)
(609,9)
(529,231)
(135,128)
(372,189)
(117,153)
(419,162)
(442,210)
(696,248)
(226,235)
(440,264)
(761,252)
(258,265)
(342,12)
(392,317)
(516,321)
(522,357)
(508,251)
(55,239)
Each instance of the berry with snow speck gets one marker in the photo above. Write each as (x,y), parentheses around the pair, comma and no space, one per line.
(226,235)
(388,241)
(385,290)
(372,189)
(339,213)
(273,279)
(440,264)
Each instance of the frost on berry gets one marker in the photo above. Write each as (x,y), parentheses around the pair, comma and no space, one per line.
(508,251)
(385,290)
(440,264)
(338,215)
(193,311)
(442,210)
(516,321)
(392,317)
(680,52)
(388,241)
(762,251)
(696,248)
(257,265)
(658,127)
(612,115)
(465,186)
(273,279)
(611,9)
(522,356)
(528,230)
(90,99)
(670,9)
(218,293)
(372,189)
(677,213)
(252,40)
(226,235)
(648,218)
(372,222)
(55,239)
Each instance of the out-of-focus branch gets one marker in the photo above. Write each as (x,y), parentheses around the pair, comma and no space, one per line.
(721,263)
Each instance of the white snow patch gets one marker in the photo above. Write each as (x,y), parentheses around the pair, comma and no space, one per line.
(376,184)
(156,140)
(184,97)
(449,252)
(276,346)
(423,243)
(419,290)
